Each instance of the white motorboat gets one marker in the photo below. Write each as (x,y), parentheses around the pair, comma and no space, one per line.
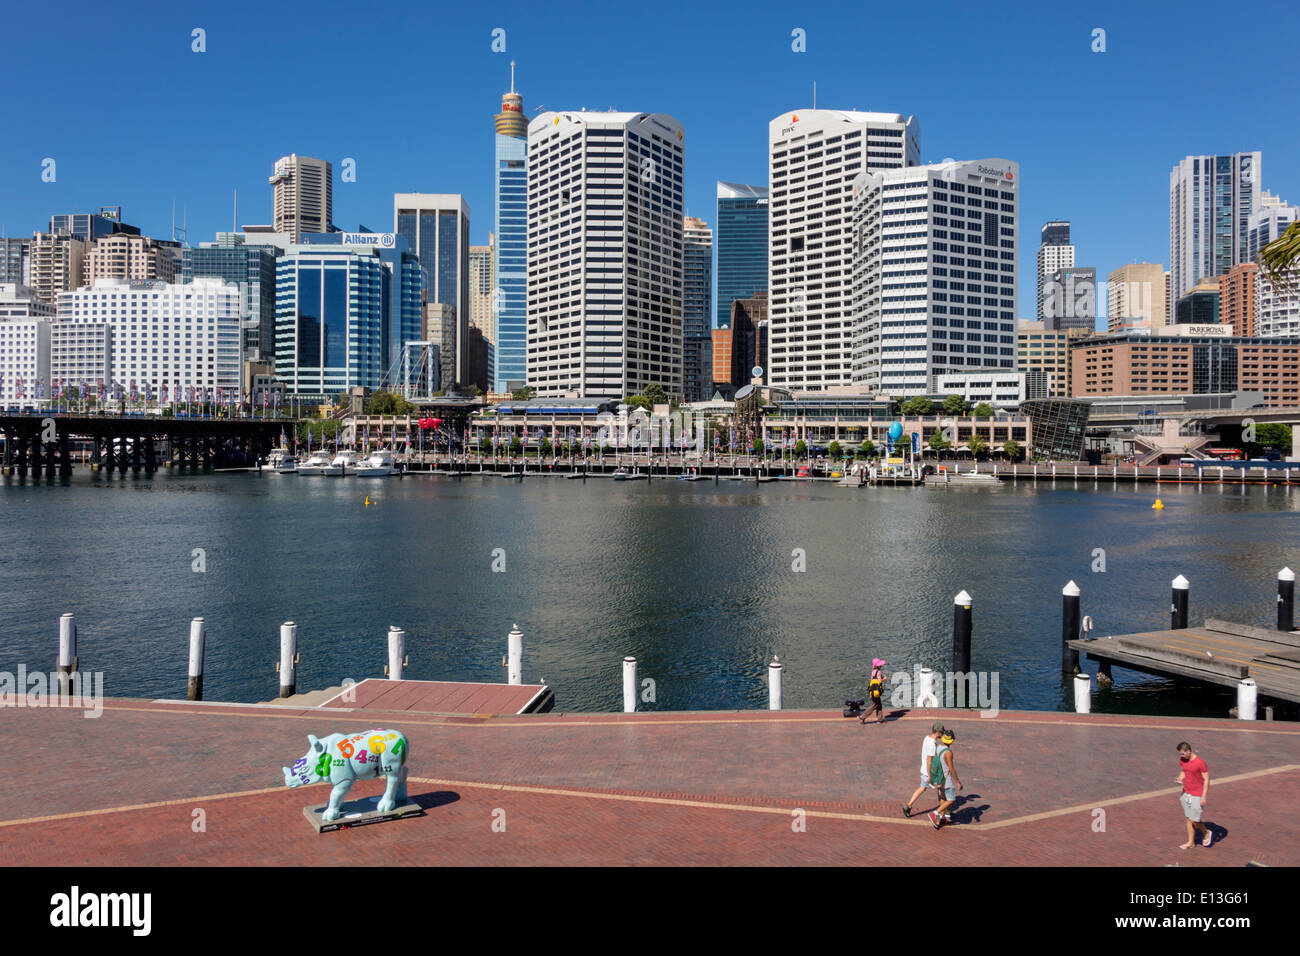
(318,464)
(345,462)
(280,462)
(378,465)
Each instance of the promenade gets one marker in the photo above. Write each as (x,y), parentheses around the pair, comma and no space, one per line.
(708,788)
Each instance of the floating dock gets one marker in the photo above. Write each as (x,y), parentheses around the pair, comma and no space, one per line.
(1217,652)
(443,697)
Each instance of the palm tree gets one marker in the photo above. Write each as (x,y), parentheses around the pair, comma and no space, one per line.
(1280,259)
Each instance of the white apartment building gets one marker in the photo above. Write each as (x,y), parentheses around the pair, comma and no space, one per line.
(1055,252)
(123,256)
(1277,313)
(54,263)
(813,158)
(81,354)
(934,274)
(1211,199)
(1269,220)
(605,195)
(158,334)
(999,389)
(24,346)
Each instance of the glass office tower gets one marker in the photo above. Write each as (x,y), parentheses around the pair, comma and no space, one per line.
(510,196)
(742,246)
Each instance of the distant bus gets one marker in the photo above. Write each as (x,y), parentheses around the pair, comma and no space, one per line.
(1225,454)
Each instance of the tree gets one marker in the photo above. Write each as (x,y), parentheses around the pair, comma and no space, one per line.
(524,394)
(938,441)
(868,449)
(983,410)
(1280,258)
(638,401)
(484,445)
(954,405)
(834,449)
(758,446)
(978,445)
(1273,435)
(801,448)
(515,445)
(1012,450)
(654,394)
(920,405)
(546,447)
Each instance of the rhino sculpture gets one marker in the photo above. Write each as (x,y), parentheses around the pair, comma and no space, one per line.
(343,759)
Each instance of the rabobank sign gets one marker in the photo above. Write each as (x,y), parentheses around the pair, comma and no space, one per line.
(385,240)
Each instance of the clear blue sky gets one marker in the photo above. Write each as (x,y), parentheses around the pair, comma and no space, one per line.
(134,118)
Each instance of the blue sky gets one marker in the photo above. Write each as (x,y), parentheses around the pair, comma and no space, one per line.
(133,117)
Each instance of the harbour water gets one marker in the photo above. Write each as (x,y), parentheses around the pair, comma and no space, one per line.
(694,579)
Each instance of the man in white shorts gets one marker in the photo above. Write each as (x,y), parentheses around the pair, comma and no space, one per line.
(928,746)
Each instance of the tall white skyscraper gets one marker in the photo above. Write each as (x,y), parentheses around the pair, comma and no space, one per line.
(813,157)
(604,253)
(1211,199)
(934,273)
(304,196)
(1054,253)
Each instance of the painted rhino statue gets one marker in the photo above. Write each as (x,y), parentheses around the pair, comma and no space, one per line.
(343,759)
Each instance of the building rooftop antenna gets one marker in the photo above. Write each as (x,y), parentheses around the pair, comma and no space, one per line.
(512,76)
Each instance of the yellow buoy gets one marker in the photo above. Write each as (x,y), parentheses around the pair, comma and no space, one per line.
(1159,505)
(367,501)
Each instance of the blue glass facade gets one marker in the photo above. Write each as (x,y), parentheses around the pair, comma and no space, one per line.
(510,299)
(742,246)
(253,269)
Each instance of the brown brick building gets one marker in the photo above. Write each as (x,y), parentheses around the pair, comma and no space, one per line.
(1237,298)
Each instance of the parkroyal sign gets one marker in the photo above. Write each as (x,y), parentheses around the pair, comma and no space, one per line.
(1220,330)
(384,240)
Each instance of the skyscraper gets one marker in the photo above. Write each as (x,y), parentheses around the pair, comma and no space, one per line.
(934,273)
(1211,199)
(436,227)
(604,253)
(697,308)
(813,157)
(742,245)
(1136,298)
(482,280)
(1267,222)
(1070,298)
(14,266)
(1054,252)
(252,268)
(54,264)
(510,202)
(303,200)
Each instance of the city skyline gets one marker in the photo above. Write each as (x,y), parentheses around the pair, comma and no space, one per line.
(1118,207)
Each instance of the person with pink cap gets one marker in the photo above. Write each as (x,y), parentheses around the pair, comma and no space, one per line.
(876,692)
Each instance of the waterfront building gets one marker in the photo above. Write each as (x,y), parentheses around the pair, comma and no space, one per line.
(697,309)
(1059,427)
(1211,199)
(345,304)
(1002,389)
(813,159)
(436,229)
(252,268)
(1054,253)
(81,353)
(1046,352)
(510,270)
(178,335)
(14,267)
(742,245)
(934,275)
(24,346)
(1070,299)
(89,226)
(1237,298)
(126,256)
(54,264)
(605,223)
(1202,360)
(1136,297)
(303,197)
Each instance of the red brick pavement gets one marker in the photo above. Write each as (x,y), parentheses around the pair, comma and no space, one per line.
(658,789)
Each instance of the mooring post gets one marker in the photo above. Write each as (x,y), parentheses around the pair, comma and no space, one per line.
(1178,607)
(1069,627)
(67,665)
(288,666)
(629,685)
(515,656)
(925,695)
(396,652)
(1286,600)
(775,695)
(1247,697)
(197,646)
(1082,694)
(961,633)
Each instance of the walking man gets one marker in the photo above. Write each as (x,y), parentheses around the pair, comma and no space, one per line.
(928,745)
(1195,778)
(951,782)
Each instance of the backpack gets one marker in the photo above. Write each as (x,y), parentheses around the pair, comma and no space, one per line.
(937,774)
(874,688)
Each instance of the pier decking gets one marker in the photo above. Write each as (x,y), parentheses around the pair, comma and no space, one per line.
(703,788)
(443,697)
(1217,652)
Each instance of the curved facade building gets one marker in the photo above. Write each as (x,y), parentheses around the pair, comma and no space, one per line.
(1058,426)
